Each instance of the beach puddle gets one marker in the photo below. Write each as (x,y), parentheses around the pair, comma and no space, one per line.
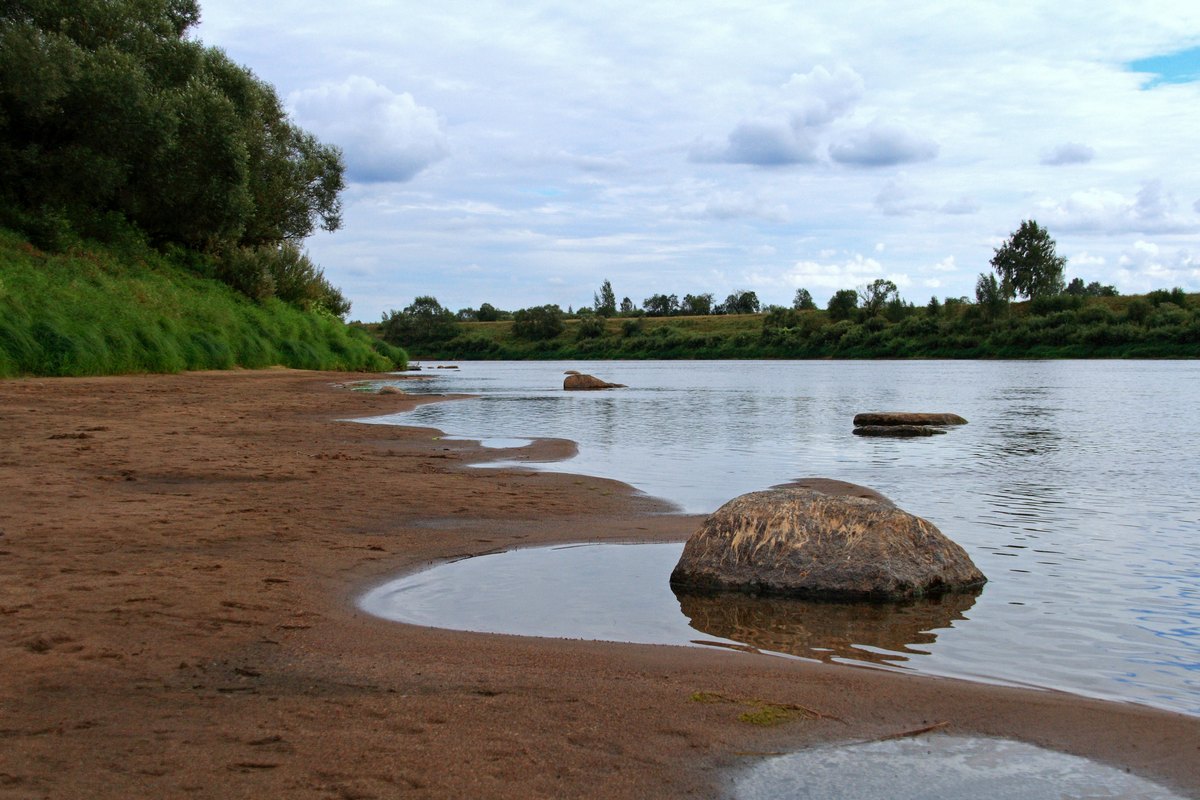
(939,767)
(621,593)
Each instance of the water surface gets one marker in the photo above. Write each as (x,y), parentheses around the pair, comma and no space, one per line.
(1074,487)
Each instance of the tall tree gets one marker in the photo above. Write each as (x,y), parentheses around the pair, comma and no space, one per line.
(803,301)
(1028,264)
(605,301)
(843,304)
(108,110)
(876,295)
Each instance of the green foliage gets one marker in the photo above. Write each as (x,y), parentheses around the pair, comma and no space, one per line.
(1175,296)
(422,323)
(696,305)
(107,108)
(97,311)
(538,324)
(740,302)
(1077,288)
(989,297)
(589,327)
(661,305)
(843,304)
(605,301)
(803,301)
(876,295)
(1027,263)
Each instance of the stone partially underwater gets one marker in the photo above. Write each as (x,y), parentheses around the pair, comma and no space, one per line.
(801,542)
(903,424)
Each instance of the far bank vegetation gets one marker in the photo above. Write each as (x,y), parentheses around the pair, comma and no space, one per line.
(1023,308)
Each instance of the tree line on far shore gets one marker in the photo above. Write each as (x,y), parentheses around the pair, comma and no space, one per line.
(1022,308)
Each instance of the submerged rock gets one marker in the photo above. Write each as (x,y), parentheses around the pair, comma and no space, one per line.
(805,543)
(906,418)
(897,430)
(577,381)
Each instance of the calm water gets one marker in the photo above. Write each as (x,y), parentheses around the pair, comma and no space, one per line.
(1075,488)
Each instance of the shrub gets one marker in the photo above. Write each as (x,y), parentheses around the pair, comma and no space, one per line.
(538,324)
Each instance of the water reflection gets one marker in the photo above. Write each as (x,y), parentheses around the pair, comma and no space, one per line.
(879,633)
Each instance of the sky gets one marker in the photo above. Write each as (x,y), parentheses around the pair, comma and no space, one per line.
(522,153)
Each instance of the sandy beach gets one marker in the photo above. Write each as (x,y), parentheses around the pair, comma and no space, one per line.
(179,561)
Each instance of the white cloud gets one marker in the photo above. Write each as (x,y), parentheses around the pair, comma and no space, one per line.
(1147,266)
(1151,210)
(883,144)
(787,131)
(1068,153)
(846,273)
(385,136)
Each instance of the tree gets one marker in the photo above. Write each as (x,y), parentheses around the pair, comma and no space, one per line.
(487,313)
(989,296)
(696,305)
(876,295)
(109,112)
(661,305)
(843,304)
(803,301)
(740,302)
(424,321)
(1077,288)
(627,306)
(605,301)
(1027,263)
(538,323)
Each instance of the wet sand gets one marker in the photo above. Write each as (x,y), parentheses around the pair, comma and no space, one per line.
(179,560)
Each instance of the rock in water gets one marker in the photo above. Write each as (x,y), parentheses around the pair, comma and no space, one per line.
(805,543)
(577,380)
(903,431)
(906,418)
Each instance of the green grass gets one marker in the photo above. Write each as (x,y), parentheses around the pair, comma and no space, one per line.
(103,311)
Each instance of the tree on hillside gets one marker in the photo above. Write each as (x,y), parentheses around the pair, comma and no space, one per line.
(876,295)
(843,304)
(538,323)
(803,301)
(696,305)
(424,321)
(740,302)
(1094,289)
(110,115)
(989,296)
(605,301)
(661,305)
(1027,263)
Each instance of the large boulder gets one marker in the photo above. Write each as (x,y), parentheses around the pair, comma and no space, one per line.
(805,543)
(906,418)
(577,380)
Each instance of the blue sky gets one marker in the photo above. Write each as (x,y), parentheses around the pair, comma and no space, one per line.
(520,154)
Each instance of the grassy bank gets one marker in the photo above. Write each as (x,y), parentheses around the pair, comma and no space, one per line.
(1157,325)
(94,310)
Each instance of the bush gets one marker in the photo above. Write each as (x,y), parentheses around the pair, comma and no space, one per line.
(538,324)
(590,327)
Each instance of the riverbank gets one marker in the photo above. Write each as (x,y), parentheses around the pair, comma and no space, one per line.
(180,556)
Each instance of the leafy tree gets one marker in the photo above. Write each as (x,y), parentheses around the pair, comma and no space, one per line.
(605,301)
(590,327)
(487,313)
(876,295)
(424,321)
(108,111)
(989,296)
(661,305)
(538,323)
(803,301)
(1077,288)
(697,305)
(627,306)
(740,302)
(843,304)
(1027,263)
(934,308)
